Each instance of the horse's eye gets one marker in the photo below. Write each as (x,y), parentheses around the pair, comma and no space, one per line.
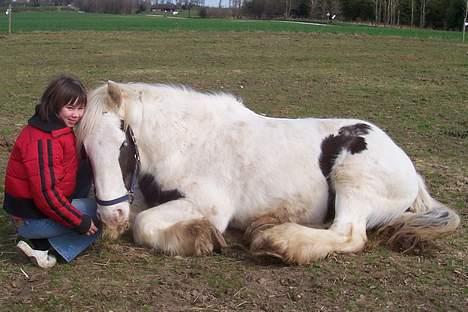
(104,113)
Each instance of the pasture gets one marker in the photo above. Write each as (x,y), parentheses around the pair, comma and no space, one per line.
(413,88)
(73,21)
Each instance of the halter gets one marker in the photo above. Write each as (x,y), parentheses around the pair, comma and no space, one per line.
(129,139)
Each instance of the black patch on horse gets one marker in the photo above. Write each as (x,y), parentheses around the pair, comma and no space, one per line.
(333,145)
(127,162)
(349,138)
(152,192)
(355,130)
(153,195)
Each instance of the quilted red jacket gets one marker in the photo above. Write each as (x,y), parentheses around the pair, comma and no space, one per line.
(41,174)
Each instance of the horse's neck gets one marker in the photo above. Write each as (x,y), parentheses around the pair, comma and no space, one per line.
(179,116)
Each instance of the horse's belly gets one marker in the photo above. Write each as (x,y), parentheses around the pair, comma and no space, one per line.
(309,207)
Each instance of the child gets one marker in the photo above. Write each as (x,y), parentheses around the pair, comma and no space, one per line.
(41,178)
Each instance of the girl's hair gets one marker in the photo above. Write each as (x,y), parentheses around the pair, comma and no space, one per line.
(61,91)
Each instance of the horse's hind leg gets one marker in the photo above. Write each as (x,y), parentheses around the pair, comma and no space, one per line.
(294,243)
(177,228)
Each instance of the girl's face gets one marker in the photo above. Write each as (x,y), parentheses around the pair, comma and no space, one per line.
(71,113)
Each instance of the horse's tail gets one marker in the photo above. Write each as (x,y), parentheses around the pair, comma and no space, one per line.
(425,220)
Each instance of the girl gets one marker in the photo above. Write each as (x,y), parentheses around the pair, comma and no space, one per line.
(41,179)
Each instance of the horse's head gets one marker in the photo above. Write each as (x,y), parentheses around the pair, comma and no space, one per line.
(103,133)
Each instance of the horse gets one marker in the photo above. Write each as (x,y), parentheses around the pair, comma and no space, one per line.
(299,189)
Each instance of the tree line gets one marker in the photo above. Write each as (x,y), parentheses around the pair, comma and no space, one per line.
(441,14)
(109,6)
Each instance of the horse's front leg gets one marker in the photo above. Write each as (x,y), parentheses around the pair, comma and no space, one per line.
(177,228)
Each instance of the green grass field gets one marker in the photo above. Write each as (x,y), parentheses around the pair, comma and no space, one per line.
(73,21)
(414,89)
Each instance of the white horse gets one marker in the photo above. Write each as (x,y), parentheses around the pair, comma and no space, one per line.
(213,163)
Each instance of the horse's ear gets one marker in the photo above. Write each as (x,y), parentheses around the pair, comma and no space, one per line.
(115,93)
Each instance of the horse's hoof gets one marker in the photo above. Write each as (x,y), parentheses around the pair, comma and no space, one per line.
(285,242)
(207,238)
(260,225)
(192,238)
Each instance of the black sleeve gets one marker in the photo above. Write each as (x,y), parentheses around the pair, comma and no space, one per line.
(84,225)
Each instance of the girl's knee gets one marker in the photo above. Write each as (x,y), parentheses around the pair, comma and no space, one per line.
(85,205)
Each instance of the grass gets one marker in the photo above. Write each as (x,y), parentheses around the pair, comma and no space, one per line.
(73,21)
(415,89)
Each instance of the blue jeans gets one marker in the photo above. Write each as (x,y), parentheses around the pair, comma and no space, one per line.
(67,242)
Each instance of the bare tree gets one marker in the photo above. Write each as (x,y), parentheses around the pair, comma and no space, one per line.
(422,18)
(236,5)
(287,8)
(387,12)
(412,14)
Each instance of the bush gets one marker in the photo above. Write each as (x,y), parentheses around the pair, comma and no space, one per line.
(204,12)
(216,12)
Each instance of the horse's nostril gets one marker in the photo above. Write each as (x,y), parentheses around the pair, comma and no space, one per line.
(98,215)
(120,212)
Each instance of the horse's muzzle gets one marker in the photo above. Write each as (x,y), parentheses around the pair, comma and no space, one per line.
(114,233)
(114,216)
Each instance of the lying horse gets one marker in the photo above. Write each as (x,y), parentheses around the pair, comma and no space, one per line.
(211,163)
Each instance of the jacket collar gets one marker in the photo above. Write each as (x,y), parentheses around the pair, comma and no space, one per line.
(54,125)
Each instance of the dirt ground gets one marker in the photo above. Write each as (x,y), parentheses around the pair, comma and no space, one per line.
(121,277)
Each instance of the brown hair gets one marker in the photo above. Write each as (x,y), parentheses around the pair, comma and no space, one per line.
(61,91)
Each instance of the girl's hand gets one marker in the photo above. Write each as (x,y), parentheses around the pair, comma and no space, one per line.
(92,229)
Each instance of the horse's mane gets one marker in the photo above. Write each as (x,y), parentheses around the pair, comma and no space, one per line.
(97,101)
(93,114)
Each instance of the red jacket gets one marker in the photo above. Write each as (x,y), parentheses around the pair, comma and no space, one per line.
(41,174)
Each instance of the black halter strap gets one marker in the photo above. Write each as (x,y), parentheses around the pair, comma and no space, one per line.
(129,139)
(111,202)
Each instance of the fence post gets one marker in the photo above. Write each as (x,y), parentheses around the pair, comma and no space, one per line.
(10,11)
(465,21)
